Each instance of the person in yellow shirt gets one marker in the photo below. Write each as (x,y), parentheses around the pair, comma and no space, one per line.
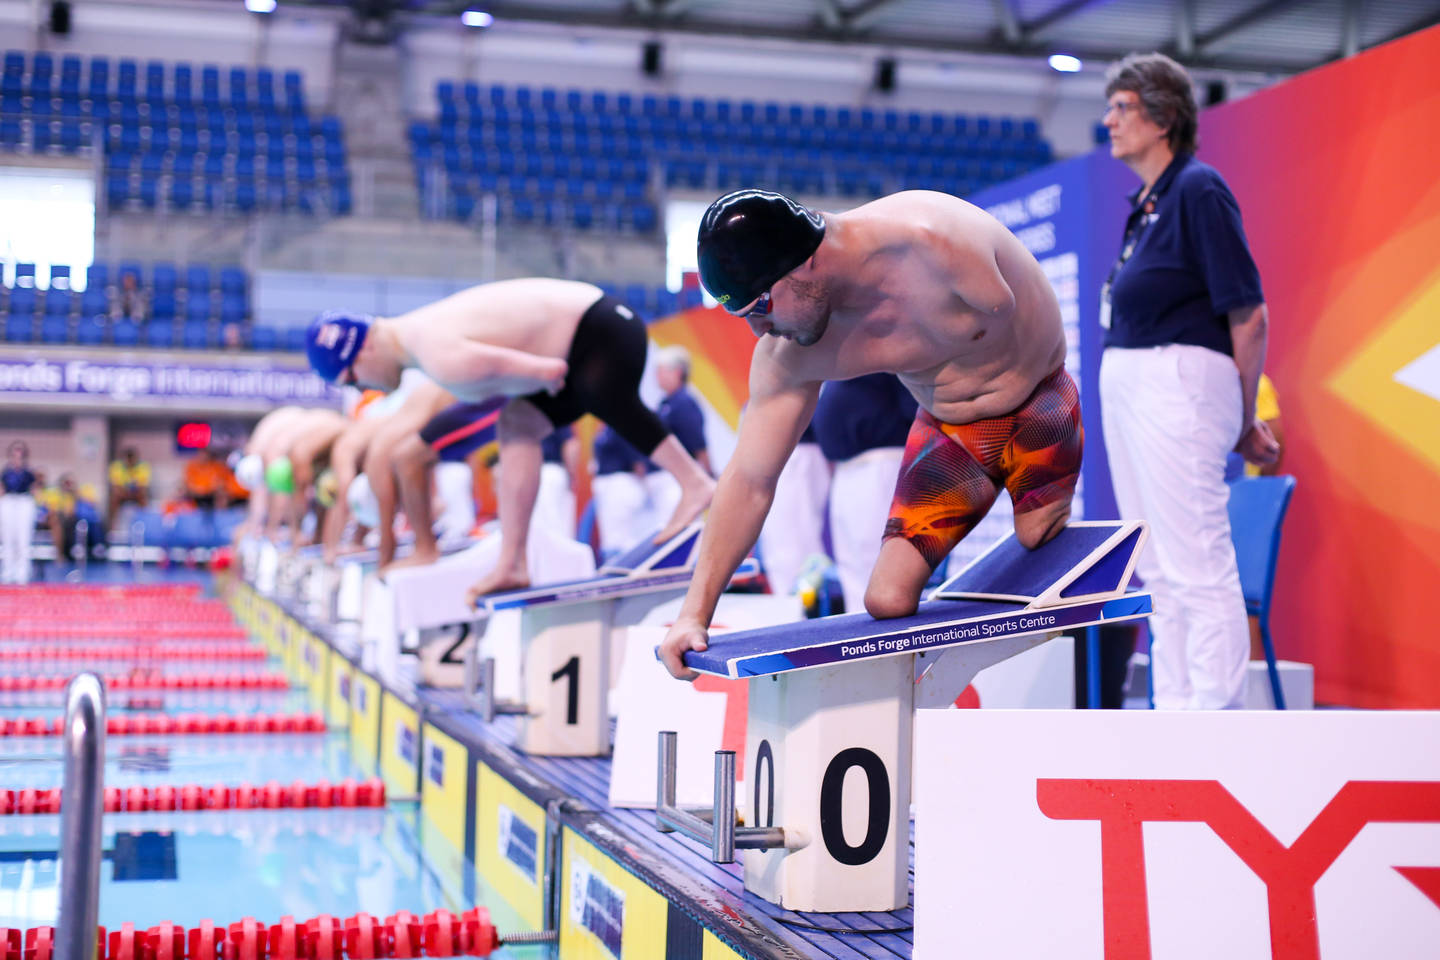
(1267,408)
(129,481)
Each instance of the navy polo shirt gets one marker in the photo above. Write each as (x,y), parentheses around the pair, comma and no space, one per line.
(550,447)
(1189,264)
(613,454)
(865,413)
(17,479)
(681,415)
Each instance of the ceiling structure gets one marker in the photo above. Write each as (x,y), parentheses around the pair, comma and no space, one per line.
(1270,36)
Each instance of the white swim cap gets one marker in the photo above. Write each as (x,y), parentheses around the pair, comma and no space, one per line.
(250,471)
(363,505)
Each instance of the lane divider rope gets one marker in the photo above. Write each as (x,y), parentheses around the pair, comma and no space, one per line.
(440,933)
(148,680)
(135,724)
(194,797)
(149,651)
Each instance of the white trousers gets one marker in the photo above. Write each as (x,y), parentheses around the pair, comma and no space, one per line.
(1171,415)
(795,526)
(17,530)
(860,494)
(622,513)
(662,492)
(555,501)
(455,488)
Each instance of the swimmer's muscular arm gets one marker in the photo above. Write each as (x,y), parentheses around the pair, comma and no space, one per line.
(473,361)
(344,457)
(780,406)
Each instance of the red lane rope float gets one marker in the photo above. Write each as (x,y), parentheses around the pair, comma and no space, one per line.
(194,797)
(121,651)
(150,680)
(440,933)
(165,723)
(126,633)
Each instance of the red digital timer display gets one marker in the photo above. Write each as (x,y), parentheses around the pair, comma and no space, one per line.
(193,436)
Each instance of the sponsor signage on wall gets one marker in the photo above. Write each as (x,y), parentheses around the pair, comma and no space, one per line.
(126,381)
(1132,835)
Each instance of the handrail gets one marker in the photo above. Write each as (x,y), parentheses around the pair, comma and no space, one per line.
(80,815)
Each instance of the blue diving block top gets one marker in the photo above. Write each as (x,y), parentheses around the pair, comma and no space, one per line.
(647,567)
(1076,580)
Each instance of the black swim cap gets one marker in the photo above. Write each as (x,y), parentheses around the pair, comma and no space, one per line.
(751,238)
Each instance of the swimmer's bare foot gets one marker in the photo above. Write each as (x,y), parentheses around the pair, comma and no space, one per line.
(419,558)
(497,580)
(693,502)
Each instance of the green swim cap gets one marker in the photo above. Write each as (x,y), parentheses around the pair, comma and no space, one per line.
(280,476)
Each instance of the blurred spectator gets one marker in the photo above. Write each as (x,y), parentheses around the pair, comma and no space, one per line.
(861,425)
(130,302)
(683,417)
(17,514)
(129,481)
(559,479)
(67,505)
(207,481)
(794,529)
(230,337)
(621,514)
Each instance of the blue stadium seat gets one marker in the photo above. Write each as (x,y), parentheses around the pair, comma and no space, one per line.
(264,338)
(232,281)
(195,336)
(232,310)
(125,333)
(162,306)
(582,214)
(130,267)
(197,278)
(149,191)
(59,276)
(71,136)
(210,86)
(57,302)
(90,331)
(127,73)
(42,136)
(293,339)
(246,199)
(163,277)
(98,87)
(184,93)
(160,333)
(54,329)
(20,328)
(10,133)
(24,276)
(97,276)
(197,308)
(94,301)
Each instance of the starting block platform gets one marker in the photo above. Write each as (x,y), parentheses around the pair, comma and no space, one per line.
(571,635)
(838,695)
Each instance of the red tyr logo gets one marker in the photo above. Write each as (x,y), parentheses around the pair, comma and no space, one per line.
(1289,873)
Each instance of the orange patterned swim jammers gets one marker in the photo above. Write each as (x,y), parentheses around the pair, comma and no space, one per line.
(952,473)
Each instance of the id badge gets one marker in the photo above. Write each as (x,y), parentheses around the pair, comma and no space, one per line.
(1105,307)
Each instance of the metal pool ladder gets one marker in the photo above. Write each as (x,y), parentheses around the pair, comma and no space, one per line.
(82,797)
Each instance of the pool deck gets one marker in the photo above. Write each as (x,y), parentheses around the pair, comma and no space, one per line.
(677,902)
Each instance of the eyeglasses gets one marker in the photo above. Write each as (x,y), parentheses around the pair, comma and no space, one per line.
(1121,107)
(761,307)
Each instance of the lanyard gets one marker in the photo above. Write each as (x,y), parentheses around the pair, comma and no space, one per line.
(1134,229)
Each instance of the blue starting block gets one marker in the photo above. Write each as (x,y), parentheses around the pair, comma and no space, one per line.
(570,633)
(832,702)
